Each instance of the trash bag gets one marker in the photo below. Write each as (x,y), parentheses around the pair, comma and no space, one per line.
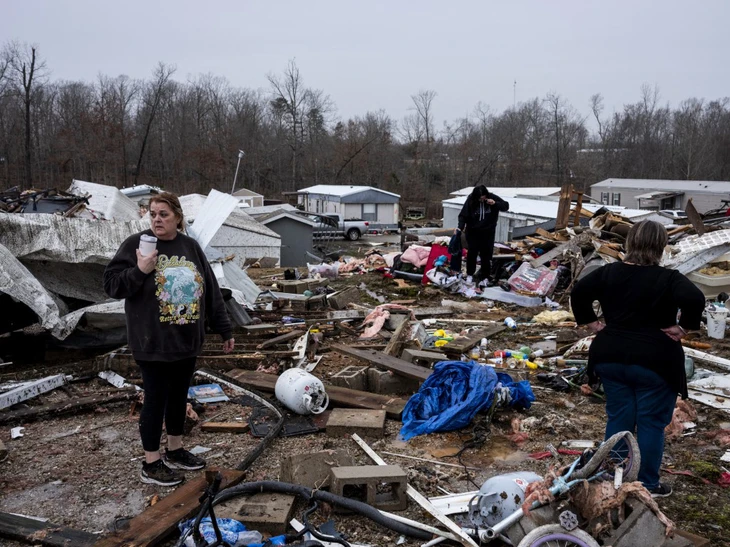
(454,393)
(455,244)
(234,533)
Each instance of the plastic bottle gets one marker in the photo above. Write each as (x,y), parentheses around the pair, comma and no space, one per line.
(535,354)
(287,320)
(511,323)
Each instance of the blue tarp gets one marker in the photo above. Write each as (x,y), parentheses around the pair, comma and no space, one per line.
(454,393)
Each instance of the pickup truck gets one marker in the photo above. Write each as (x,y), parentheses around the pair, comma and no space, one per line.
(333,225)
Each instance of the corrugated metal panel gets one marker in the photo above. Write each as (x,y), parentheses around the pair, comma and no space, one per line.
(59,239)
(107,201)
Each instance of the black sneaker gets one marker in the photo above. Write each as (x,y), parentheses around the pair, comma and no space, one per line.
(158,473)
(182,459)
(662,490)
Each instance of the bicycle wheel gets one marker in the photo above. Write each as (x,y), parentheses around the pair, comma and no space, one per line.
(554,535)
(620,450)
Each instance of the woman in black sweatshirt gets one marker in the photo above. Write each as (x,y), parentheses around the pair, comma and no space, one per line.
(479,218)
(167,296)
(638,353)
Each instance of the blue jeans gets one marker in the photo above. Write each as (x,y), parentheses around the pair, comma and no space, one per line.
(640,401)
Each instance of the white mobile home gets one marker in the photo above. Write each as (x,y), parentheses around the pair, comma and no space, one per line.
(657,195)
(528,211)
(380,208)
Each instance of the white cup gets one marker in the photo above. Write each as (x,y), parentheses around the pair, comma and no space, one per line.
(147,244)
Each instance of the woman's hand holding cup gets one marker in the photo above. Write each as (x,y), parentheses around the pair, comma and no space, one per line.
(146,264)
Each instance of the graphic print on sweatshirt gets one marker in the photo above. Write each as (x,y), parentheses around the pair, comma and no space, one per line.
(179,289)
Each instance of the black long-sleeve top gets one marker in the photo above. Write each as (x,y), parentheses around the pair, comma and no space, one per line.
(165,309)
(480,215)
(637,302)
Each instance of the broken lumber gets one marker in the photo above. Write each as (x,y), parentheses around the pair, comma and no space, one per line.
(339,396)
(225,427)
(462,345)
(279,339)
(37,532)
(160,520)
(30,390)
(71,405)
(702,356)
(695,218)
(396,343)
(381,360)
(572,245)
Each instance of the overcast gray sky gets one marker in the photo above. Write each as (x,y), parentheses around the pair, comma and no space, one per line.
(375,54)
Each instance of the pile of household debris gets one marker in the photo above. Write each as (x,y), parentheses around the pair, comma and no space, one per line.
(343,371)
(314,361)
(51,265)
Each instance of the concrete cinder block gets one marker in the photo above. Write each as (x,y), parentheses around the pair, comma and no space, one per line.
(340,299)
(353,377)
(366,423)
(422,357)
(641,527)
(313,470)
(266,512)
(382,486)
(386,383)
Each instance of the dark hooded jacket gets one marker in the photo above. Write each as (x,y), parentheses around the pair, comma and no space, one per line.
(479,215)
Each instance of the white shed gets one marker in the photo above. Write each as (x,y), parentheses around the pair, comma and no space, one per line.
(240,234)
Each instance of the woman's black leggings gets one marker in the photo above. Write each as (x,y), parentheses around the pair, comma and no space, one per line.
(165,397)
(481,243)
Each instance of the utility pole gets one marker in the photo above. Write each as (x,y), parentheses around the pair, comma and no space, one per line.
(240,155)
(514,94)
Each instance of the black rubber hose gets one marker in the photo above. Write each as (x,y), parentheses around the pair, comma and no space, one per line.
(316,533)
(320,495)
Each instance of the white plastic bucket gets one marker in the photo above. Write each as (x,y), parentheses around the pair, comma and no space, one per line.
(716,319)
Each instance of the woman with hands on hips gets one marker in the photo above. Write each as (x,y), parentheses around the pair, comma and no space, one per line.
(169,291)
(637,354)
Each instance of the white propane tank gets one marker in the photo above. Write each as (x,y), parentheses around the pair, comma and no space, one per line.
(301,392)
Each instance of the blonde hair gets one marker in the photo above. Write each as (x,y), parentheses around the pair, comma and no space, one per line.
(645,243)
(173,203)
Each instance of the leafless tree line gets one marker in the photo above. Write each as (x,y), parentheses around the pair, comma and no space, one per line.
(185,136)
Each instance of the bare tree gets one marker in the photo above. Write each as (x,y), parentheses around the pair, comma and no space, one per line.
(125,92)
(290,97)
(28,71)
(152,98)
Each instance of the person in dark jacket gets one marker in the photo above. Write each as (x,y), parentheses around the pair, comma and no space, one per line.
(637,353)
(167,294)
(478,218)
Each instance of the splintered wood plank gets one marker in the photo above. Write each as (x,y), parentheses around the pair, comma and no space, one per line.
(225,427)
(695,218)
(37,532)
(64,407)
(462,345)
(396,342)
(381,360)
(157,522)
(339,396)
(282,338)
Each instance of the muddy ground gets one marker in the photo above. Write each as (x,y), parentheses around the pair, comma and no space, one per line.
(81,471)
